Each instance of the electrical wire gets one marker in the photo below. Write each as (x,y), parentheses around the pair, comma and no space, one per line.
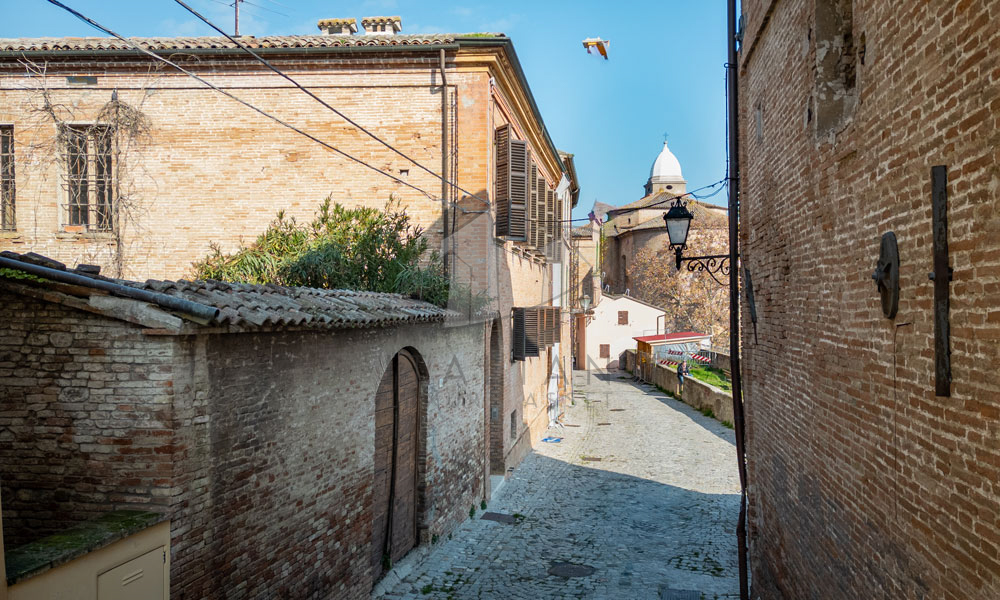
(337,112)
(100,27)
(264,8)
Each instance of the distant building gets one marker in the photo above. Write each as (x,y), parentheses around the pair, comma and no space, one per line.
(639,226)
(611,327)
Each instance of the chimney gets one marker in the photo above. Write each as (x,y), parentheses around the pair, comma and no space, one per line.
(382,25)
(338,26)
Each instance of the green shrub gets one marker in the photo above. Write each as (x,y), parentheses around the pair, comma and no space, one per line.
(342,248)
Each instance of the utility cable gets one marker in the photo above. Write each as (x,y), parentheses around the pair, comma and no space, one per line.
(340,114)
(100,27)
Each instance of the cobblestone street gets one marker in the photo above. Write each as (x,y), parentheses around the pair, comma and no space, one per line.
(642,489)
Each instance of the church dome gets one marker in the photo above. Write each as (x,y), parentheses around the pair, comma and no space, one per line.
(666,169)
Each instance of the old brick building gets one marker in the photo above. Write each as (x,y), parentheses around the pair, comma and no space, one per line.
(148,200)
(298,439)
(874,465)
(639,225)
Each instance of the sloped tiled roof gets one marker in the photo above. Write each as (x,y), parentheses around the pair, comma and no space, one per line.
(243,305)
(218,42)
(246,306)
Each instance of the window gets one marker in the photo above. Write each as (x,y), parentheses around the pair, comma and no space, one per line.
(7,212)
(534,329)
(88,177)
(623,317)
(605,351)
(513,159)
(513,425)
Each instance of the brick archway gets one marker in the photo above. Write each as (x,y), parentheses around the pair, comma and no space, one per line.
(398,426)
(494,441)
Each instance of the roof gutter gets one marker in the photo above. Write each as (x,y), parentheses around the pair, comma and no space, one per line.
(508,45)
(200,312)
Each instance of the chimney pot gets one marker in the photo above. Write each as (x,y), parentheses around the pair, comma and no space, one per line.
(338,26)
(382,25)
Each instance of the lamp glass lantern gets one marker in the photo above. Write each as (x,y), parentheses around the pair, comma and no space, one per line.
(678,220)
(585,302)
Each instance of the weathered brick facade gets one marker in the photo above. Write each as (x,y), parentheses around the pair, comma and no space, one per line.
(258,444)
(863,483)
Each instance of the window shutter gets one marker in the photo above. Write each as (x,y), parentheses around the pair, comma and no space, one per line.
(519,159)
(532,329)
(557,229)
(623,317)
(546,317)
(538,240)
(530,210)
(605,351)
(517,343)
(556,325)
(502,180)
(511,184)
(550,222)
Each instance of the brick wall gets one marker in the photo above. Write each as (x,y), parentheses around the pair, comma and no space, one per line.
(281,501)
(863,483)
(85,418)
(259,445)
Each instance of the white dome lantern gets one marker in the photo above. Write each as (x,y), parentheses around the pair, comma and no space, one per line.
(666,174)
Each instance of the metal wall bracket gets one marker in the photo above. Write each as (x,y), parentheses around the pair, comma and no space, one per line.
(886,275)
(941,276)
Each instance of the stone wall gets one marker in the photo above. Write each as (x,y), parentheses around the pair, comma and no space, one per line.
(697,394)
(863,482)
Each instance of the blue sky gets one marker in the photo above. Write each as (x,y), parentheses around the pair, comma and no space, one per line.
(665,73)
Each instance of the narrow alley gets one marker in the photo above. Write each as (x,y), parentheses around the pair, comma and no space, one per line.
(638,500)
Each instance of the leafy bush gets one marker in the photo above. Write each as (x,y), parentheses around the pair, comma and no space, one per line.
(342,248)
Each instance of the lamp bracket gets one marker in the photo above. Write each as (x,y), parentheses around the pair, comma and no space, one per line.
(711,264)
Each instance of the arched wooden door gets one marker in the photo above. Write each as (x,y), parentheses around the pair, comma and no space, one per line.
(394,522)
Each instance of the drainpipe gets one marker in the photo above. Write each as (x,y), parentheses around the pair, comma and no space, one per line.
(444,163)
(734,291)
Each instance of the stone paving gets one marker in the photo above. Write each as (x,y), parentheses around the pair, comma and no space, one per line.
(643,489)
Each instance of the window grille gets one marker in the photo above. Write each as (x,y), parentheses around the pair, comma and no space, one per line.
(7,191)
(88,179)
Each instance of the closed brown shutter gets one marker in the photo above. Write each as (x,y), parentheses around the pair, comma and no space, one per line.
(531,210)
(502,180)
(557,228)
(550,222)
(537,210)
(546,320)
(511,184)
(517,344)
(623,317)
(605,351)
(556,326)
(532,331)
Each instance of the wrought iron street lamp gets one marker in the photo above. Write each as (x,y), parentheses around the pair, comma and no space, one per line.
(678,221)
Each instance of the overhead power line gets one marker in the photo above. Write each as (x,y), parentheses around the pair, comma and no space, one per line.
(337,112)
(104,29)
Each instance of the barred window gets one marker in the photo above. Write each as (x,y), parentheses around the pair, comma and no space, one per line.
(89,182)
(7,212)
